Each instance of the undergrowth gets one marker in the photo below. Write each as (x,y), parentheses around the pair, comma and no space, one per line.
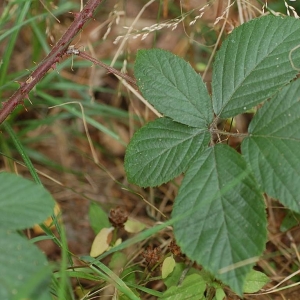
(107,237)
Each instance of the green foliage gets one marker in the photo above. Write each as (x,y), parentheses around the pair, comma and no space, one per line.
(255,281)
(98,217)
(273,147)
(17,213)
(224,221)
(165,150)
(174,277)
(170,84)
(178,275)
(254,63)
(219,212)
(192,287)
(290,220)
(25,270)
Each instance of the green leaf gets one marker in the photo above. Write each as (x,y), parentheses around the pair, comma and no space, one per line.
(223,221)
(253,63)
(220,294)
(129,274)
(118,262)
(175,275)
(125,297)
(98,217)
(273,147)
(24,268)
(291,220)
(173,87)
(23,203)
(111,277)
(162,150)
(178,271)
(255,280)
(192,288)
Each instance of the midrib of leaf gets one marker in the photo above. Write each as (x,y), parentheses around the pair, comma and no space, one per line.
(161,150)
(222,244)
(173,87)
(157,162)
(175,84)
(223,205)
(247,75)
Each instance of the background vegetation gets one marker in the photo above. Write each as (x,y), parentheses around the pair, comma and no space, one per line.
(75,127)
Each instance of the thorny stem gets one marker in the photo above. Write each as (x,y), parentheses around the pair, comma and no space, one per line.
(50,60)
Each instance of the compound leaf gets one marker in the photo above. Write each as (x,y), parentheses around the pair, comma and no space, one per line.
(255,62)
(173,87)
(221,215)
(162,150)
(273,147)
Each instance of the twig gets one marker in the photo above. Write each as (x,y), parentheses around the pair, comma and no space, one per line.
(117,73)
(234,134)
(103,65)
(50,60)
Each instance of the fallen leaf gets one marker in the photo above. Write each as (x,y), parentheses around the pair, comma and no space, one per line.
(101,241)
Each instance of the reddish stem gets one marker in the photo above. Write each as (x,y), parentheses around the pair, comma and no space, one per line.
(105,66)
(50,60)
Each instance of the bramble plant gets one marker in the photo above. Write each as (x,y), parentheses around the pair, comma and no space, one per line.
(219,213)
